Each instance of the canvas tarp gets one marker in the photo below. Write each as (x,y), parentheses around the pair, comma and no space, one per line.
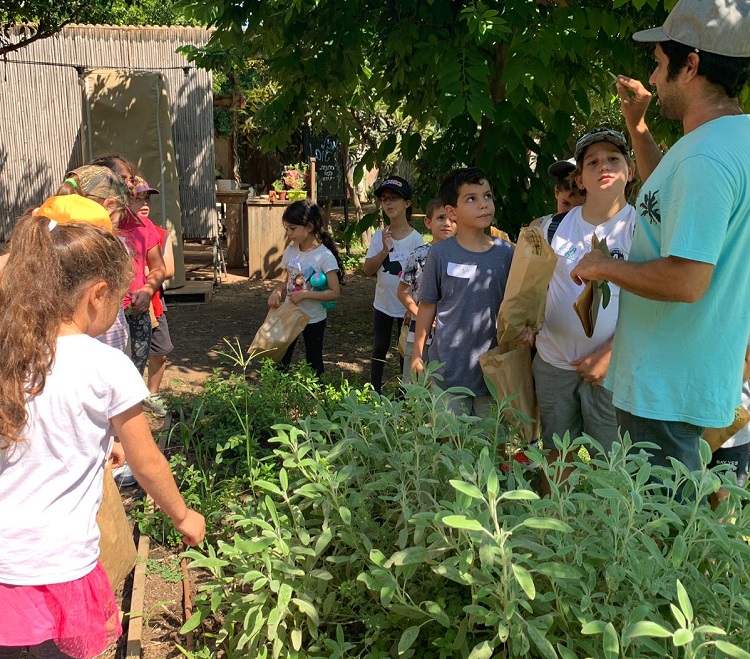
(128,113)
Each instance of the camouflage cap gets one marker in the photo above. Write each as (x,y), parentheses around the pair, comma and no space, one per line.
(101,182)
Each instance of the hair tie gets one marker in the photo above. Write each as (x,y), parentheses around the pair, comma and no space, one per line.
(72,181)
(52,225)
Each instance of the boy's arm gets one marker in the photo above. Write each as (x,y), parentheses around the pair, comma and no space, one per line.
(592,368)
(406,299)
(425,319)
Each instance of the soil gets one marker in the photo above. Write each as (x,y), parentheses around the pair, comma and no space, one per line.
(235,311)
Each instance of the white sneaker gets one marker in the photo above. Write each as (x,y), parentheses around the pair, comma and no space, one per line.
(123,476)
(155,404)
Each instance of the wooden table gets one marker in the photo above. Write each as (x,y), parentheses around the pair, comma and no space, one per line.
(266,237)
(235,218)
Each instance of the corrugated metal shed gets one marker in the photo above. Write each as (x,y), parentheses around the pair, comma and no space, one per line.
(41,105)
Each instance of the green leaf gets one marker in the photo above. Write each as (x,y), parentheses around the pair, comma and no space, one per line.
(437,612)
(520,495)
(525,580)
(610,642)
(644,628)
(542,644)
(407,639)
(547,524)
(467,488)
(594,627)
(192,622)
(346,515)
(308,609)
(462,522)
(409,556)
(684,599)
(682,637)
(732,650)
(482,651)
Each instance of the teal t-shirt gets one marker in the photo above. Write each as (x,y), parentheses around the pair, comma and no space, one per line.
(675,361)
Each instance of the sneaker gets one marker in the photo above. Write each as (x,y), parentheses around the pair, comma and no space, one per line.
(155,404)
(123,476)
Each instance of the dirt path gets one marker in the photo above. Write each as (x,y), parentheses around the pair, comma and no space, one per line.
(238,308)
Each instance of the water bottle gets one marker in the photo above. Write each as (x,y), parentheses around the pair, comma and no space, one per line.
(319,282)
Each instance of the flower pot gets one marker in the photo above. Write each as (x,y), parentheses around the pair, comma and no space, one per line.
(296,195)
(282,195)
(272,195)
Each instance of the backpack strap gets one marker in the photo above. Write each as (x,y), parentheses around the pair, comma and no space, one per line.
(553,224)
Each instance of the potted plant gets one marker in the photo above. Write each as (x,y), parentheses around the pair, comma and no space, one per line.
(278,186)
(295,177)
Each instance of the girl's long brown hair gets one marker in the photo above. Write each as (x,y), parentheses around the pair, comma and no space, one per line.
(46,276)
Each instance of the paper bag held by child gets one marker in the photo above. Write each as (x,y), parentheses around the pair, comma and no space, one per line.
(510,373)
(116,546)
(279,329)
(525,296)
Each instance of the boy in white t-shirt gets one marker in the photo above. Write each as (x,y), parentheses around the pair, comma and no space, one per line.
(569,367)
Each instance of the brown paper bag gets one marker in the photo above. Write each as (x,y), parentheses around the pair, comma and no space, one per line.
(403,335)
(717,436)
(591,299)
(525,296)
(278,330)
(117,550)
(509,372)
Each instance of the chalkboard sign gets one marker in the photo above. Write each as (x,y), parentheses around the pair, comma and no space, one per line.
(328,166)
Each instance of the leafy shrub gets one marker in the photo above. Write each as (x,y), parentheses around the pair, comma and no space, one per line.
(389,531)
(219,435)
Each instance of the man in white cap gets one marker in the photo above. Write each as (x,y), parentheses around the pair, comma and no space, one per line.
(684,320)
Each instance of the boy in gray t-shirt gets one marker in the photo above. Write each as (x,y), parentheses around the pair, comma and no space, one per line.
(463,284)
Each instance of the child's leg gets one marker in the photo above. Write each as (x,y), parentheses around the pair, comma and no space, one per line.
(382,326)
(313,335)
(557,391)
(46,650)
(287,358)
(599,417)
(161,346)
(140,338)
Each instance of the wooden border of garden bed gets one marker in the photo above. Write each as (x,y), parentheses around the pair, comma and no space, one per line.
(134,646)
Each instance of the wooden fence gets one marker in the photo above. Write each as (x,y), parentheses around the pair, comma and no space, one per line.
(41,105)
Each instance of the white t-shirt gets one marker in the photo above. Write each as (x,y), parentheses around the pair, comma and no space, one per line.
(301,266)
(389,273)
(562,339)
(51,483)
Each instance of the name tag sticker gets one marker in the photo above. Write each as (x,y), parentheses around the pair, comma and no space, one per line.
(398,256)
(461,270)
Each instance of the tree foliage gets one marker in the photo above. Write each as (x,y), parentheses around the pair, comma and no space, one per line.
(498,84)
(25,21)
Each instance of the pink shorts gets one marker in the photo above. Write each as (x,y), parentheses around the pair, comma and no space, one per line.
(80,616)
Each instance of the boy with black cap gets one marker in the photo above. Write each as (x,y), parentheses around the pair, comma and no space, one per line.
(677,357)
(386,256)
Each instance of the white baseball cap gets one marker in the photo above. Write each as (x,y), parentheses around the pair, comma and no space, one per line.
(721,27)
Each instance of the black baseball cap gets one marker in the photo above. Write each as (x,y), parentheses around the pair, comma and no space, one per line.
(395,184)
(562,168)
